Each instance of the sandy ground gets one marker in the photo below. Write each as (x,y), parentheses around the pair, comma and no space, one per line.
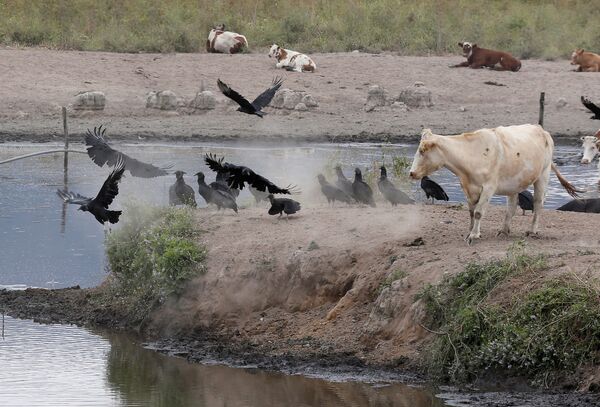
(36,82)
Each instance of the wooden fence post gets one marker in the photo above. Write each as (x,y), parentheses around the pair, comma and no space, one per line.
(541,116)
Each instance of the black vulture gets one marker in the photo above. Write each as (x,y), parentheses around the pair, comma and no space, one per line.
(332,193)
(525,201)
(389,190)
(283,205)
(257,104)
(219,197)
(361,190)
(259,196)
(101,153)
(181,193)
(221,183)
(342,182)
(239,175)
(591,107)
(433,190)
(589,205)
(98,206)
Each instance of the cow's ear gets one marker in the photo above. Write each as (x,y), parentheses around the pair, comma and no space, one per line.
(460,44)
(425,146)
(597,134)
(425,134)
(473,46)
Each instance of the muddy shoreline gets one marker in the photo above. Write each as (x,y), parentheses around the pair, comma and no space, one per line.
(72,306)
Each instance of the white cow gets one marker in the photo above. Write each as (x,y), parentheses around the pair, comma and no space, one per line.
(499,161)
(591,147)
(225,42)
(291,60)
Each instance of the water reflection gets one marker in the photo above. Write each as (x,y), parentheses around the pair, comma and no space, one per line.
(36,253)
(57,365)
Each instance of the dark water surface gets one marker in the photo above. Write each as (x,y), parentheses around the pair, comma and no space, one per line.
(61,365)
(43,248)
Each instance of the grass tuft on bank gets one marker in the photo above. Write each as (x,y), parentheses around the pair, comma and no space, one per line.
(547,29)
(539,333)
(151,256)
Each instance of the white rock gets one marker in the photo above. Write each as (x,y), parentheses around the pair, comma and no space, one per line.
(376,97)
(204,101)
(301,107)
(93,100)
(560,103)
(309,101)
(416,96)
(400,106)
(462,109)
(163,100)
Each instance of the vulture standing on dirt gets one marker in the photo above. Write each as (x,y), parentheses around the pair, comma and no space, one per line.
(98,206)
(257,104)
(221,183)
(590,205)
(181,193)
(389,190)
(332,193)
(239,175)
(525,201)
(362,191)
(101,153)
(342,182)
(591,107)
(433,190)
(283,205)
(218,197)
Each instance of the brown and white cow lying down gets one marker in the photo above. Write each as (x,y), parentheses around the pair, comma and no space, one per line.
(499,161)
(481,57)
(291,60)
(225,42)
(587,61)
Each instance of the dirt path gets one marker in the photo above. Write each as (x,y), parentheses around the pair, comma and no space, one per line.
(36,82)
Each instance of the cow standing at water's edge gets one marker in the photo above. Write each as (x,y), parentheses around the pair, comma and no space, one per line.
(498,161)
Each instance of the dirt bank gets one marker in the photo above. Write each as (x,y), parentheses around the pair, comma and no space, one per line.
(329,287)
(36,82)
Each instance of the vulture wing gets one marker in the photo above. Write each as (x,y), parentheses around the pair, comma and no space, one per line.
(265,98)
(110,188)
(591,106)
(236,97)
(73,198)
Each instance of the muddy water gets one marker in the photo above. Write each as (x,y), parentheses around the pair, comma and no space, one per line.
(46,245)
(59,365)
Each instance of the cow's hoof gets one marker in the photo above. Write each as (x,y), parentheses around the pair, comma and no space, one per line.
(503,232)
(531,233)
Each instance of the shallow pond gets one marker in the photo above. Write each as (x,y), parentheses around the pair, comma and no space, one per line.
(47,245)
(61,365)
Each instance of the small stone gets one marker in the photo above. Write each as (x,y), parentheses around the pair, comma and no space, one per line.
(417,96)
(462,109)
(312,246)
(560,103)
(400,106)
(93,100)
(377,96)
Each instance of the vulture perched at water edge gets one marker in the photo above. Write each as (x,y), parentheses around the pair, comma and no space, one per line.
(389,190)
(332,193)
(433,190)
(362,191)
(181,193)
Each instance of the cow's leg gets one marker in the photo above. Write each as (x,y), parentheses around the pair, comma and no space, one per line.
(484,197)
(539,193)
(461,65)
(511,207)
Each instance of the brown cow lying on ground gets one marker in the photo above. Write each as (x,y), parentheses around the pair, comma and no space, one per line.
(481,57)
(587,61)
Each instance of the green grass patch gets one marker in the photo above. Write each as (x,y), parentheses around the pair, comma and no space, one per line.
(547,29)
(152,255)
(540,334)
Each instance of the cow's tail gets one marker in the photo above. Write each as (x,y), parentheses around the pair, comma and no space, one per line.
(566,184)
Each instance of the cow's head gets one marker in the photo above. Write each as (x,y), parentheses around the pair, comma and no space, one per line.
(576,55)
(219,27)
(428,158)
(591,146)
(467,48)
(274,50)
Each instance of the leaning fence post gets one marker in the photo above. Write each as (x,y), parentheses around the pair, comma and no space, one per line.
(541,116)
(65,169)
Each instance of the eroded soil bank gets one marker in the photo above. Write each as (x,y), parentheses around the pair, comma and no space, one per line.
(333,288)
(36,82)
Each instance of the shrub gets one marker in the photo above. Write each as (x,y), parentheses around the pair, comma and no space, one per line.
(152,255)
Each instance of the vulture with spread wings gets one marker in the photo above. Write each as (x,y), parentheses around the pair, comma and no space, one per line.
(101,153)
(239,175)
(257,104)
(98,206)
(591,107)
